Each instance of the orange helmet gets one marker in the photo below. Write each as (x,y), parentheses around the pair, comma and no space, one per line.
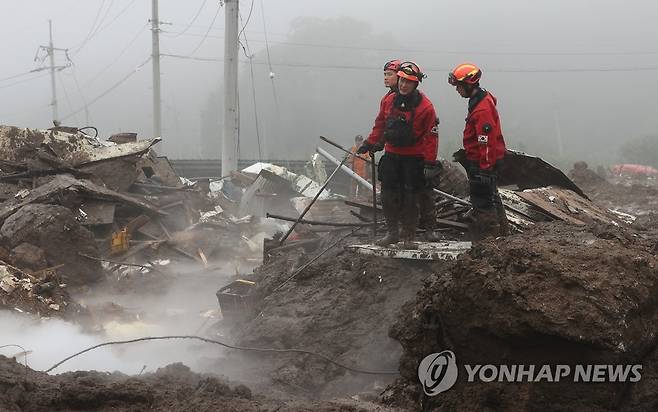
(392,65)
(411,71)
(465,73)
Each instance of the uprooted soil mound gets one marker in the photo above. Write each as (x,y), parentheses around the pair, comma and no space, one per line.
(558,294)
(341,306)
(172,388)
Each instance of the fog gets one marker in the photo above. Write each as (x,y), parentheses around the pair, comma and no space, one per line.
(574,79)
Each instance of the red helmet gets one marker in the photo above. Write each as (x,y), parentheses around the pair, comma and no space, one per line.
(465,73)
(392,65)
(411,71)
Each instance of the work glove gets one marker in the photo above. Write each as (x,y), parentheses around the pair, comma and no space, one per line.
(377,146)
(365,148)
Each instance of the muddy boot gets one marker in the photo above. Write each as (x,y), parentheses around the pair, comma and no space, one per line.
(391,208)
(392,236)
(485,225)
(503,223)
(502,216)
(409,220)
(427,210)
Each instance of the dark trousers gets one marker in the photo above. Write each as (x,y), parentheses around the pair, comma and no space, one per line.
(402,180)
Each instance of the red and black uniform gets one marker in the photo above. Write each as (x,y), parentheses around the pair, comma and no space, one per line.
(406,125)
(483,138)
(485,148)
(417,111)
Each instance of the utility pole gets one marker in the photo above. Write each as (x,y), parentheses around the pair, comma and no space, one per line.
(50,50)
(51,55)
(157,103)
(231,122)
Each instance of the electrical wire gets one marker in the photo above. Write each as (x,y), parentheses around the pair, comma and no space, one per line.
(196,16)
(251,9)
(119,14)
(253,86)
(226,345)
(203,39)
(16,76)
(434,70)
(269,64)
(24,80)
(116,59)
(107,11)
(93,26)
(449,52)
(66,95)
(109,90)
(84,100)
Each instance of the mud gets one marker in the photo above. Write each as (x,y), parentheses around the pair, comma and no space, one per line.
(341,306)
(172,388)
(554,295)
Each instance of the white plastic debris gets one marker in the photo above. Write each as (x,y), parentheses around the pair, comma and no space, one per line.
(22,194)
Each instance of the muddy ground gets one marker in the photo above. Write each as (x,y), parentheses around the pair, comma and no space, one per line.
(555,294)
(172,388)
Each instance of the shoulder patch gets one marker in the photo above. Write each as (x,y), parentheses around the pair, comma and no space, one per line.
(435,130)
(483,139)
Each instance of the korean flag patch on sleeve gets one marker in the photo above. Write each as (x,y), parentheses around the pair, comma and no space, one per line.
(483,139)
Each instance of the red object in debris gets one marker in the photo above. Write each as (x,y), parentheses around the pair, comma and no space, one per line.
(635,170)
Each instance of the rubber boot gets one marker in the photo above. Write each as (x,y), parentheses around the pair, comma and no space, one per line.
(485,224)
(503,223)
(409,220)
(427,211)
(391,208)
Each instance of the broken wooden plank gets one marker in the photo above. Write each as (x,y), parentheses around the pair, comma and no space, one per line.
(445,250)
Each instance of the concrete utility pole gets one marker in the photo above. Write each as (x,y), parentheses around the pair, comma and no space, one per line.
(157,103)
(231,123)
(51,55)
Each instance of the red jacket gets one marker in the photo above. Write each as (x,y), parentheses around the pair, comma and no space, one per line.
(424,127)
(483,136)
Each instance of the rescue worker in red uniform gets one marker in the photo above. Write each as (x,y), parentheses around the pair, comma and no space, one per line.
(404,124)
(391,75)
(484,148)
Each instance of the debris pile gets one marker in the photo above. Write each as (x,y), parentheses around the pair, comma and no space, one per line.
(80,209)
(172,388)
(558,294)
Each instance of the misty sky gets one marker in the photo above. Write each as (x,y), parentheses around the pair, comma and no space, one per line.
(583,70)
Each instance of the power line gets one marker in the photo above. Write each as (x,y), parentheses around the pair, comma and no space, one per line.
(24,80)
(91,30)
(100,28)
(253,86)
(198,46)
(107,11)
(106,92)
(450,52)
(17,75)
(433,70)
(251,9)
(269,63)
(66,94)
(116,59)
(196,16)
